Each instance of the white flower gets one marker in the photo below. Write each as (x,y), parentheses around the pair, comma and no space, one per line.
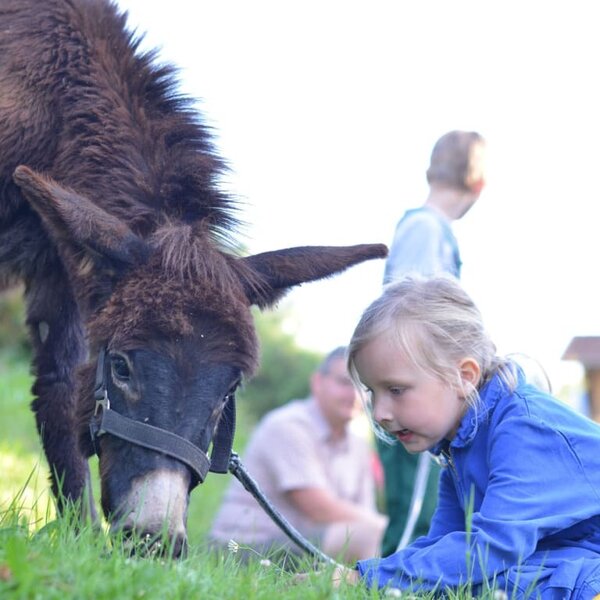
(265,562)
(500,595)
(393,593)
(233,546)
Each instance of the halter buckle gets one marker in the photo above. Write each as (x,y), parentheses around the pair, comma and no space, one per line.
(103,402)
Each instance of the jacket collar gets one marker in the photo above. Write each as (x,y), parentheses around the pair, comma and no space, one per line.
(489,395)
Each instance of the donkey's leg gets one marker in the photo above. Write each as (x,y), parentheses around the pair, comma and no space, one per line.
(59,347)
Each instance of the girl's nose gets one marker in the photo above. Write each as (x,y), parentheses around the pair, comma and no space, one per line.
(381,411)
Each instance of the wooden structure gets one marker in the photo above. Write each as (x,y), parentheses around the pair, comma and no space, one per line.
(586,350)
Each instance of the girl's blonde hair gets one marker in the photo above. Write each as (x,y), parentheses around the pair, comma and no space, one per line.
(435,324)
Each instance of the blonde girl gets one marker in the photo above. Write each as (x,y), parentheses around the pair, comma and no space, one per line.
(519,499)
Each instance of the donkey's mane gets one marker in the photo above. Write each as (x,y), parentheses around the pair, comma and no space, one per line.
(131,141)
(189,254)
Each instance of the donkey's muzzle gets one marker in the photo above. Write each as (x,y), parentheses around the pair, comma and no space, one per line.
(152,519)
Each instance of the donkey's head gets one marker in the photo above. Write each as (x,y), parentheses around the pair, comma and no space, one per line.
(170,336)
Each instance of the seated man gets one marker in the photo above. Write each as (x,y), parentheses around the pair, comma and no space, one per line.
(315,471)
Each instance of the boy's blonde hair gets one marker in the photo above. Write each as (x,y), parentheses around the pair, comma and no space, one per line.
(435,324)
(453,160)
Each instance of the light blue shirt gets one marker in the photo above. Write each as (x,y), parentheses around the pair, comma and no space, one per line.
(423,243)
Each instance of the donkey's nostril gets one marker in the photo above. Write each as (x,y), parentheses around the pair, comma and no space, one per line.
(179,546)
(152,544)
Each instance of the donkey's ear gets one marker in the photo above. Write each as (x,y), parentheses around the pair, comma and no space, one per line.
(280,270)
(70,218)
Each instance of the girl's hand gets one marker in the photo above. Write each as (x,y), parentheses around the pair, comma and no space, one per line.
(340,574)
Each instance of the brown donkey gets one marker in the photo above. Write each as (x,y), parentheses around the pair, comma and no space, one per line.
(137,303)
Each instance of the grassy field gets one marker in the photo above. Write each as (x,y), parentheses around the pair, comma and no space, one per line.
(44,557)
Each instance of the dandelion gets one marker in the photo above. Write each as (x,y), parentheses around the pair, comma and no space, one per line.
(233,546)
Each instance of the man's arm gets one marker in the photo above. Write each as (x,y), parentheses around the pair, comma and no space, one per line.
(321,506)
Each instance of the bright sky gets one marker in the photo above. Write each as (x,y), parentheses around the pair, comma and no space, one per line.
(327,112)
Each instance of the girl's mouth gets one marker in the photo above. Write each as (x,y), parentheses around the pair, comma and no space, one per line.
(404,435)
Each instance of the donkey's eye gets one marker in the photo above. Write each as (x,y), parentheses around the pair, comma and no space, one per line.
(120,368)
(229,395)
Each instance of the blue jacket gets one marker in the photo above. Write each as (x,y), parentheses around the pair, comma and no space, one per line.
(519,504)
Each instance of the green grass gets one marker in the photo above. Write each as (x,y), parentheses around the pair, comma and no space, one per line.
(22,463)
(58,561)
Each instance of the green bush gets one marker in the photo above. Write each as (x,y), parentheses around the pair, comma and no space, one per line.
(284,371)
(14,341)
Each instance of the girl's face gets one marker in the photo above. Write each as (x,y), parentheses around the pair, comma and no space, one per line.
(417,409)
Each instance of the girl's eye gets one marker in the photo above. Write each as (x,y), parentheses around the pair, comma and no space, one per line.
(397,391)
(120,368)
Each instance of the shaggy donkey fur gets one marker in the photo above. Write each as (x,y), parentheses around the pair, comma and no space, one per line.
(112,216)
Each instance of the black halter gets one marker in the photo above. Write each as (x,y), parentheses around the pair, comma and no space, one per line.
(106,420)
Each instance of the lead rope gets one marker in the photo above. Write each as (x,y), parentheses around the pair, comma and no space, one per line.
(223,455)
(416,500)
(238,470)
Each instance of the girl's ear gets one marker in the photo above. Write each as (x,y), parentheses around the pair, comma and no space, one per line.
(470,372)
